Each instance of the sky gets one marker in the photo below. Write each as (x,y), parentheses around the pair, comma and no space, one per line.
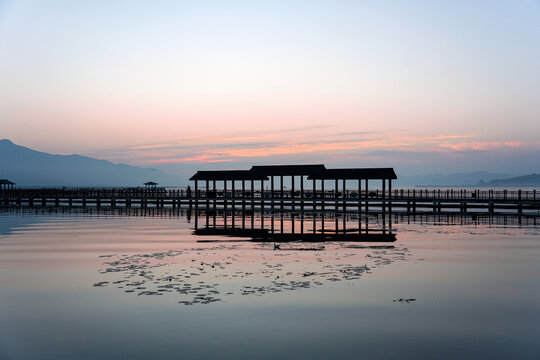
(421,86)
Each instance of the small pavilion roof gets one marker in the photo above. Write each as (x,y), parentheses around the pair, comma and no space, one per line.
(227,175)
(354,174)
(6,182)
(287,170)
(150,183)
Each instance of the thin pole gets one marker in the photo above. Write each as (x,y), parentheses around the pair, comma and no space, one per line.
(367,200)
(383,195)
(359,192)
(322,190)
(281,183)
(292,191)
(314,193)
(272,191)
(390,195)
(344,195)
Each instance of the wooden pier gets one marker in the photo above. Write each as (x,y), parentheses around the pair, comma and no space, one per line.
(409,201)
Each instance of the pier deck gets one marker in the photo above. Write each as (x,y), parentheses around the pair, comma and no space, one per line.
(409,201)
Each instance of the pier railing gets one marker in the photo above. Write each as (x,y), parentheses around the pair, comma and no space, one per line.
(376,194)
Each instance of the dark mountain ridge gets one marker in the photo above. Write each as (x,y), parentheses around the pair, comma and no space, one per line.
(27,167)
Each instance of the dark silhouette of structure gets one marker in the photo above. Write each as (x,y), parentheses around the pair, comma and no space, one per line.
(308,188)
(5,184)
(150,185)
(277,227)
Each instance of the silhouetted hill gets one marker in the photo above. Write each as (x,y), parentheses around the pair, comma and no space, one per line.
(525,180)
(458,179)
(27,167)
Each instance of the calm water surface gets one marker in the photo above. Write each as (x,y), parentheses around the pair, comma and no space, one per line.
(79,285)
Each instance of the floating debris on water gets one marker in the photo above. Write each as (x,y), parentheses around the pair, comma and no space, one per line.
(404,300)
(208,275)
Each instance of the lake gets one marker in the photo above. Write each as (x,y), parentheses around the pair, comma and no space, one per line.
(176,284)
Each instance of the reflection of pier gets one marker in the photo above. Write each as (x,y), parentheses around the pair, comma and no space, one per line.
(291,226)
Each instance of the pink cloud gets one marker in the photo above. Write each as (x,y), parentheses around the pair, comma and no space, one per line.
(195,159)
(480,145)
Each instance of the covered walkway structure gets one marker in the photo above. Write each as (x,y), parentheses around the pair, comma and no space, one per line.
(296,184)
(5,184)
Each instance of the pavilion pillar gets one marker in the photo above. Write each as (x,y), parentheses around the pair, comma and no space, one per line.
(359,195)
(336,188)
(281,193)
(367,198)
(252,188)
(243,194)
(314,196)
(344,195)
(262,195)
(215,193)
(207,188)
(302,192)
(272,190)
(225,194)
(390,195)
(323,195)
(232,189)
(383,196)
(196,195)
(292,191)
(302,186)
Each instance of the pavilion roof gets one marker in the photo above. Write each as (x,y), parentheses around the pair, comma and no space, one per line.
(356,173)
(227,175)
(287,170)
(6,181)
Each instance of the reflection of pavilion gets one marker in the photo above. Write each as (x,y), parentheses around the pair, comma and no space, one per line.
(291,226)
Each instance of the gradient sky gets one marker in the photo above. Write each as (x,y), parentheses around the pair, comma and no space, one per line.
(423,86)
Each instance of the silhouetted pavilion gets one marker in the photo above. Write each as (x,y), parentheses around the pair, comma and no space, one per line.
(5,184)
(366,174)
(225,176)
(150,185)
(312,172)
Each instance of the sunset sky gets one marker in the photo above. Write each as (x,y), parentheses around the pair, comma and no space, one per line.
(423,86)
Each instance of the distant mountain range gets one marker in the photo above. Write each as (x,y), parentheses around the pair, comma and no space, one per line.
(518,181)
(458,179)
(27,167)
